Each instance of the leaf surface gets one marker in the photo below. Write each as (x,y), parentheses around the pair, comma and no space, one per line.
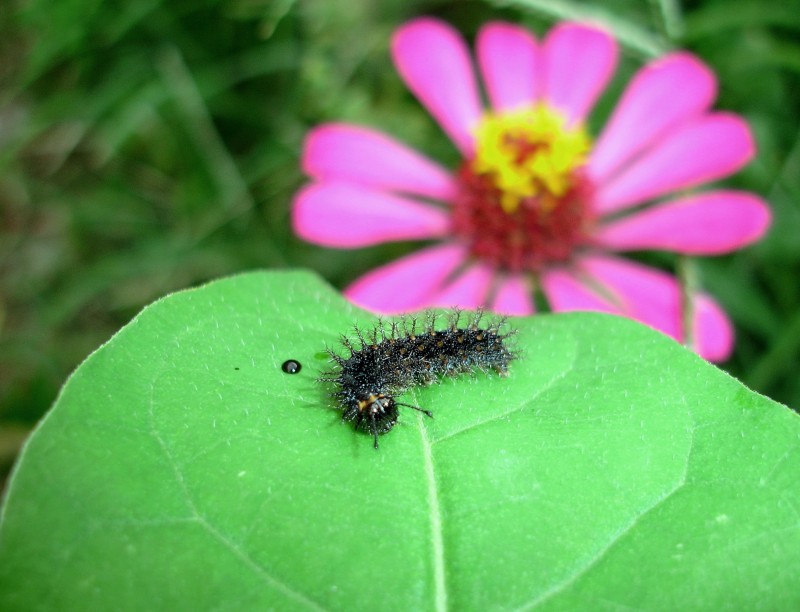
(181,468)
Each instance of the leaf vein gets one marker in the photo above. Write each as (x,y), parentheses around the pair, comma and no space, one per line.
(519,408)
(620,534)
(437,537)
(260,571)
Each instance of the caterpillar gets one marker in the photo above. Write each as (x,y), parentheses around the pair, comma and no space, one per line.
(394,357)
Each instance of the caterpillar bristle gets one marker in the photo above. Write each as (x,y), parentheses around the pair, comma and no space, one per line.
(394,356)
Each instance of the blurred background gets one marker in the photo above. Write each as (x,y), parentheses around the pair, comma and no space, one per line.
(148,146)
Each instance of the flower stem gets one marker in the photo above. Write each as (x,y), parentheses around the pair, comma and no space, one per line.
(687,277)
(671,18)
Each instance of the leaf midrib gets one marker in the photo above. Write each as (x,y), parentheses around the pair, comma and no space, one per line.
(437,537)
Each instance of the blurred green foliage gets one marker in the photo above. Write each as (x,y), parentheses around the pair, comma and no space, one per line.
(147,146)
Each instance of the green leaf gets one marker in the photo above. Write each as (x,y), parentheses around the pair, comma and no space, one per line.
(635,37)
(182,469)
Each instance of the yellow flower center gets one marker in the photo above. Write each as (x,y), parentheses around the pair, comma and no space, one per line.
(529,153)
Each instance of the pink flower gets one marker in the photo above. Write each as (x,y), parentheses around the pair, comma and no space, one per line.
(537,204)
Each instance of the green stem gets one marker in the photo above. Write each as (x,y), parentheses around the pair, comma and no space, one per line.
(687,277)
(671,18)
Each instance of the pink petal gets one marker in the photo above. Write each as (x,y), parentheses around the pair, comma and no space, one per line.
(360,155)
(347,215)
(654,298)
(434,62)
(579,60)
(647,295)
(510,62)
(712,330)
(661,96)
(706,149)
(705,224)
(566,293)
(513,297)
(468,290)
(409,283)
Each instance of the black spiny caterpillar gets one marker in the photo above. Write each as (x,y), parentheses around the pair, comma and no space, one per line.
(393,357)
